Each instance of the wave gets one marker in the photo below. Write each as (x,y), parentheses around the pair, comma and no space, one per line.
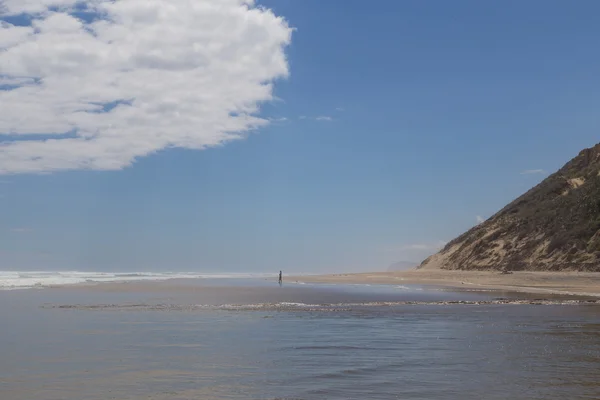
(330,307)
(12,280)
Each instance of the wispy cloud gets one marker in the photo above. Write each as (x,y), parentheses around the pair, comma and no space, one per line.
(533,172)
(281,119)
(21,230)
(137,98)
(339,109)
(480,219)
(321,118)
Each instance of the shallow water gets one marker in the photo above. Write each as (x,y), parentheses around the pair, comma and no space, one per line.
(209,344)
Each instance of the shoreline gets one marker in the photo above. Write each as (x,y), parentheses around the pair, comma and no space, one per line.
(579,284)
(585,284)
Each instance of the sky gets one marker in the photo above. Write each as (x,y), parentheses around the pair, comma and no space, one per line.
(302,135)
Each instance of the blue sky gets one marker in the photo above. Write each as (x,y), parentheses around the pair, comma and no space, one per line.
(395,126)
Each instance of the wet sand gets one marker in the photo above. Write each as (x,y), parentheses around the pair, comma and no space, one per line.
(562,283)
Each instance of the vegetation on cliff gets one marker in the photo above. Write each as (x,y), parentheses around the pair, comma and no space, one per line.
(554,226)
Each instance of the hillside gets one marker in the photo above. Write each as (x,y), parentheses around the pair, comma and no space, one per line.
(555,226)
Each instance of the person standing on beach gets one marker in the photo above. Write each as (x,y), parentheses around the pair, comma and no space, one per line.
(280,278)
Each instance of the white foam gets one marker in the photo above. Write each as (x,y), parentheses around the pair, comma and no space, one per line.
(413,288)
(289,304)
(266,306)
(11,280)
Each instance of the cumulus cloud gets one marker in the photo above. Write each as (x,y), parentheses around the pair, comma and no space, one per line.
(533,172)
(132,78)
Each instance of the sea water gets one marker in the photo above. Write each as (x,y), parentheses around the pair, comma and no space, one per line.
(12,280)
(251,339)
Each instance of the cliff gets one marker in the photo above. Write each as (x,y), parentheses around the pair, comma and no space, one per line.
(555,226)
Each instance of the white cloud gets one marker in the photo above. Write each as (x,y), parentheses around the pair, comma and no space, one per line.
(319,118)
(148,75)
(533,172)
(15,7)
(15,81)
(340,109)
(281,119)
(480,219)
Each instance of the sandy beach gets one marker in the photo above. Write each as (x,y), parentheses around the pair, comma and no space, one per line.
(545,283)
(567,283)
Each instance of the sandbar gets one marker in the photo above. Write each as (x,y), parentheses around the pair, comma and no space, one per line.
(561,283)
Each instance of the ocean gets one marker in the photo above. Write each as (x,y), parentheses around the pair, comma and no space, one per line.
(16,280)
(249,338)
